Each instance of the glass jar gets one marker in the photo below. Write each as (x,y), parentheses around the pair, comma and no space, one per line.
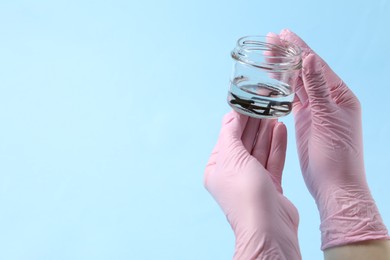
(264,69)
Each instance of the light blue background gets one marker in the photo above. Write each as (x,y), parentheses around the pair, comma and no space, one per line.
(110,109)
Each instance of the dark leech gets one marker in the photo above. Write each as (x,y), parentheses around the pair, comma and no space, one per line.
(269,108)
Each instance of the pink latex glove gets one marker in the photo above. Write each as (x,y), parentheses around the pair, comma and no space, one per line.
(330,146)
(244,177)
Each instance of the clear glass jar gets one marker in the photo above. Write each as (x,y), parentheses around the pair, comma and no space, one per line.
(264,68)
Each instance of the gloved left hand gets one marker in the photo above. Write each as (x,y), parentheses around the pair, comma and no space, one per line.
(244,177)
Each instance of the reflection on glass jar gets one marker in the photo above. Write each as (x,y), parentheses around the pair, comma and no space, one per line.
(264,69)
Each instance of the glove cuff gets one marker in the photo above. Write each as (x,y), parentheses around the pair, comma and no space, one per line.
(349,217)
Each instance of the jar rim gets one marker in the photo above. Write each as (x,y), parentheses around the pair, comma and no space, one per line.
(254,50)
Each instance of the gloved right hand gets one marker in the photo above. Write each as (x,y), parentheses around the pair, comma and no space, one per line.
(330,147)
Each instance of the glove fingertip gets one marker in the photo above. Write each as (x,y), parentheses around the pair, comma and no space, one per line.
(279,142)
(228,117)
(285,31)
(281,129)
(290,36)
(233,124)
(312,64)
(272,34)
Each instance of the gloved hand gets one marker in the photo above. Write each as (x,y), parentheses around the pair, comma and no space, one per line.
(244,177)
(330,147)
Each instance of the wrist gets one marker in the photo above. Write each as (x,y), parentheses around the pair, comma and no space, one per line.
(268,245)
(371,249)
(259,244)
(248,244)
(269,235)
